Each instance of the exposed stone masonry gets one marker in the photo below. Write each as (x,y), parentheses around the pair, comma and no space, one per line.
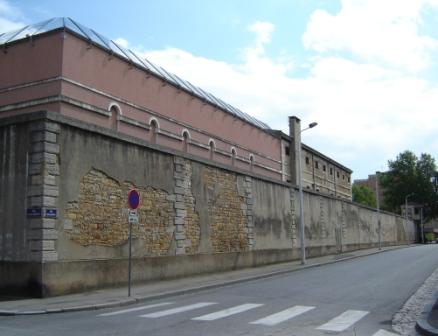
(99,216)
(187,229)
(43,190)
(247,210)
(228,221)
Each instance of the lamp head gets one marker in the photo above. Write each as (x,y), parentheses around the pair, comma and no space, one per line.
(311,125)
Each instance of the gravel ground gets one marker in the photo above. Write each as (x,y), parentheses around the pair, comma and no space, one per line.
(404,321)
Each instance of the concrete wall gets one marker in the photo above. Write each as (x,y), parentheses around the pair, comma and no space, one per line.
(195,215)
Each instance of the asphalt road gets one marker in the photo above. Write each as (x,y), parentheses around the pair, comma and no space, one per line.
(353,297)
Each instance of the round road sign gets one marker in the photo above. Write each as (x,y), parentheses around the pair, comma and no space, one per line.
(133,199)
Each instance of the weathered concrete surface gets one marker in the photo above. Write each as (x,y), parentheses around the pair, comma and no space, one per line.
(272,212)
(195,216)
(14,141)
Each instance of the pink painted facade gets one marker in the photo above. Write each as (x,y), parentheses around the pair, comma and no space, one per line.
(61,72)
(62,66)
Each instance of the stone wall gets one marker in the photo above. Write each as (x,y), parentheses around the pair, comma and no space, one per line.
(99,216)
(194,216)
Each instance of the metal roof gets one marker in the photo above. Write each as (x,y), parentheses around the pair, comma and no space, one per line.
(95,38)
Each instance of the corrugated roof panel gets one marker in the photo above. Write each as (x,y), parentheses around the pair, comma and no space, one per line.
(29,31)
(89,34)
(75,27)
(213,99)
(222,104)
(175,79)
(194,88)
(168,76)
(185,84)
(155,69)
(9,37)
(203,94)
(137,59)
(125,52)
(52,24)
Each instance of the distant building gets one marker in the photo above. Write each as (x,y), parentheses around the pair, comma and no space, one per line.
(370,182)
(413,211)
(320,173)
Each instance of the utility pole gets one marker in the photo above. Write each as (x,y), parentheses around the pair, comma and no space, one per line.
(379,224)
(421,225)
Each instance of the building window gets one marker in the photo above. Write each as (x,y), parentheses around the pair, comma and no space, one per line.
(115,116)
(323,168)
(316,164)
(186,138)
(212,146)
(331,171)
(153,127)
(251,161)
(233,156)
(337,174)
(287,150)
(343,176)
(348,179)
(307,160)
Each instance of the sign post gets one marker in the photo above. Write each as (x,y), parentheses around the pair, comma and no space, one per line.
(133,203)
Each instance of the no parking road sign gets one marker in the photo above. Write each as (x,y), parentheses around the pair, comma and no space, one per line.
(133,199)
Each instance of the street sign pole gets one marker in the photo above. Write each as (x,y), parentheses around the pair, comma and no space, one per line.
(379,223)
(133,202)
(130,258)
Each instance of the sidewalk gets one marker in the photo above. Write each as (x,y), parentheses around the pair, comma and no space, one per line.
(117,297)
(427,324)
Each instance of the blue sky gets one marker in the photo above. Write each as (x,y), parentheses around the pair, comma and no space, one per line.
(365,70)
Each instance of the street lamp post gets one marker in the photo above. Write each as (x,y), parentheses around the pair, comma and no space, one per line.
(406,208)
(421,225)
(379,224)
(300,188)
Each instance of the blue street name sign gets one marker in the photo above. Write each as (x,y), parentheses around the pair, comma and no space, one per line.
(34,212)
(50,213)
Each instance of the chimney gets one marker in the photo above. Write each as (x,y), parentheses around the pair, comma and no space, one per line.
(295,134)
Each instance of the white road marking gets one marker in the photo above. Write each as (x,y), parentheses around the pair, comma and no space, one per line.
(282,316)
(227,312)
(382,332)
(343,321)
(136,309)
(178,310)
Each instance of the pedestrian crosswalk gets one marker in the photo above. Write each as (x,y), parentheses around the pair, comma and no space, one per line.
(336,324)
(178,310)
(227,312)
(282,316)
(343,321)
(118,312)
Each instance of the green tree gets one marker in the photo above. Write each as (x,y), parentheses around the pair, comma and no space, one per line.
(407,175)
(364,195)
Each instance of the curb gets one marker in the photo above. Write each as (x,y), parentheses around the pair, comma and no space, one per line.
(129,301)
(423,326)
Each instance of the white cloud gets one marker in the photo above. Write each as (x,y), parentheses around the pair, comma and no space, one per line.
(263,31)
(386,31)
(10,17)
(121,41)
(368,110)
